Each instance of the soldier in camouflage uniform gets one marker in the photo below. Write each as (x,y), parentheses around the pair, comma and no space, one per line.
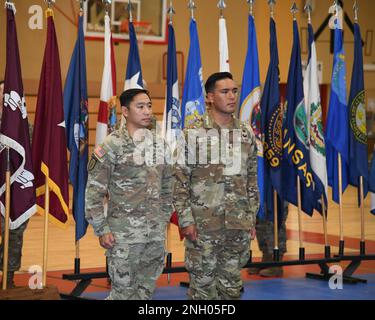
(265,237)
(216,208)
(15,235)
(139,206)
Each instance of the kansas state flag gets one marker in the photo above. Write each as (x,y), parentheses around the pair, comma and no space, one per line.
(76,118)
(271,125)
(337,132)
(249,110)
(296,158)
(193,103)
(358,153)
(134,78)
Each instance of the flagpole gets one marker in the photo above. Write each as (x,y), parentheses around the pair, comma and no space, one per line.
(276,255)
(45,241)
(77,260)
(46,199)
(221,5)
(301,248)
(251,7)
(362,200)
(327,248)
(294,10)
(129,9)
(251,13)
(170,12)
(6,221)
(362,243)
(341,243)
(192,7)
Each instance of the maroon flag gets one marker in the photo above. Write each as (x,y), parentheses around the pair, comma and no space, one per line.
(14,132)
(49,138)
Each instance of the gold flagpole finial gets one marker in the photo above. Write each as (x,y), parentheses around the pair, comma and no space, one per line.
(294,10)
(171,12)
(221,5)
(356,8)
(106,5)
(308,9)
(10,5)
(272,4)
(192,7)
(336,4)
(251,6)
(49,11)
(129,8)
(81,2)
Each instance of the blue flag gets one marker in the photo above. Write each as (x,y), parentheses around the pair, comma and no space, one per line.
(172,115)
(249,110)
(271,125)
(296,157)
(134,78)
(337,128)
(357,116)
(76,120)
(193,103)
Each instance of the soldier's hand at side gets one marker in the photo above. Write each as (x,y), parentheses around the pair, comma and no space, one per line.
(253,233)
(107,240)
(190,232)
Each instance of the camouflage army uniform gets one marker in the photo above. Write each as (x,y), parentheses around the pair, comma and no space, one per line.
(15,239)
(265,235)
(223,208)
(139,209)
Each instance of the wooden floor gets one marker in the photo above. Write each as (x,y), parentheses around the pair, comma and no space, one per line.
(62,249)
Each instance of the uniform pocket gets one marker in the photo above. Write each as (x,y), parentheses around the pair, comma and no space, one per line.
(193,257)
(118,252)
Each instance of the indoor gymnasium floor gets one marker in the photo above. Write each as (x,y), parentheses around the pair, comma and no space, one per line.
(293,285)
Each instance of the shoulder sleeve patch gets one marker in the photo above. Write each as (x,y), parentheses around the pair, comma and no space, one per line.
(99,153)
(92,163)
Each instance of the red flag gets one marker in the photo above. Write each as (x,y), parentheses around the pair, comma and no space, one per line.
(174,220)
(15,134)
(49,138)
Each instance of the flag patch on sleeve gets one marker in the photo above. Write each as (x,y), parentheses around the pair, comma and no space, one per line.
(99,153)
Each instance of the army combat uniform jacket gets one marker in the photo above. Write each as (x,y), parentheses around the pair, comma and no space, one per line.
(139,195)
(209,195)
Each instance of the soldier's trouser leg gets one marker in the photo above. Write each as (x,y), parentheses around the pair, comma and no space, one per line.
(200,262)
(15,246)
(233,255)
(214,264)
(150,268)
(134,268)
(265,235)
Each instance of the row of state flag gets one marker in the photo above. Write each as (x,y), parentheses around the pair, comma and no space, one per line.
(290,137)
(295,144)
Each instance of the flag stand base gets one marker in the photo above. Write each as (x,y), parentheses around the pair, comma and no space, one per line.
(327,252)
(362,246)
(77,265)
(355,261)
(302,253)
(341,247)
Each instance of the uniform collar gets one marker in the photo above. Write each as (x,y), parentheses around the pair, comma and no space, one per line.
(209,122)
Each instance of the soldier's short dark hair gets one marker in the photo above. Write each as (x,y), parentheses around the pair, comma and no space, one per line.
(212,79)
(128,95)
(1,82)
